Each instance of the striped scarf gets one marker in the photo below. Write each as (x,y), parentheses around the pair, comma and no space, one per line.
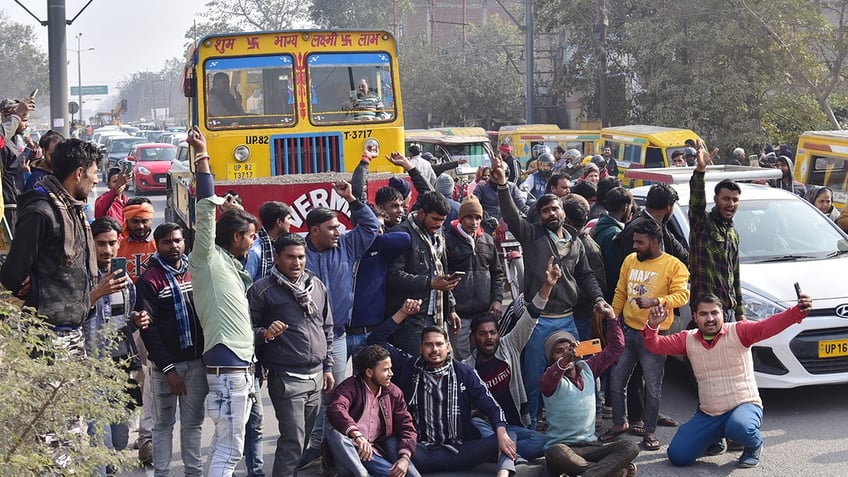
(180,305)
(267,261)
(437,413)
(436,246)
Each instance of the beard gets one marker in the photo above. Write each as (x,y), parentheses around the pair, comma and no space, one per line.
(553,224)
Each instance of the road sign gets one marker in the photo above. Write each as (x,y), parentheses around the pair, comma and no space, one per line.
(73,107)
(90,90)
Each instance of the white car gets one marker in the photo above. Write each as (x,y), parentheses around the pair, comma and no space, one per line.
(784,239)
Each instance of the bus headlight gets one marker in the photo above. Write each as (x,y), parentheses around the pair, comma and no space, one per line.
(241,153)
(372,148)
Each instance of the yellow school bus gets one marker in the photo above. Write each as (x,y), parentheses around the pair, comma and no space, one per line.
(290,103)
(641,146)
(822,159)
(523,137)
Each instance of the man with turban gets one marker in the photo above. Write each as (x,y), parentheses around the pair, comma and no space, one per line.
(136,244)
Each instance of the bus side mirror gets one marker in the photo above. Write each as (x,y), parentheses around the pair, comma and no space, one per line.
(189,89)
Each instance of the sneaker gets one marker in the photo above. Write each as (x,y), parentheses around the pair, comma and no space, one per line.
(145,453)
(310,455)
(750,457)
(716,448)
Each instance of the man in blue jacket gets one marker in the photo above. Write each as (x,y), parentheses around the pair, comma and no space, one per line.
(332,256)
(441,393)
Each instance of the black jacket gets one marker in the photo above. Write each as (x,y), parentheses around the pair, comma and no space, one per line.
(411,272)
(162,337)
(670,244)
(59,289)
(483,280)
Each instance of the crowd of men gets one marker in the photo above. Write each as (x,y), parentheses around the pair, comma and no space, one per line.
(445,377)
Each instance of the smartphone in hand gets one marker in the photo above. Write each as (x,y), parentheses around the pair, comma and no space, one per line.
(118,263)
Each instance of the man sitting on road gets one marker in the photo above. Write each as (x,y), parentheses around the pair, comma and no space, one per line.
(372,431)
(720,354)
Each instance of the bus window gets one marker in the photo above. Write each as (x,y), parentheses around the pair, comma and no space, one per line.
(350,88)
(654,157)
(632,153)
(249,92)
(829,171)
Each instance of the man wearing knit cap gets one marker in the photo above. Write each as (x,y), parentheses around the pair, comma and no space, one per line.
(473,252)
(729,403)
(137,244)
(568,387)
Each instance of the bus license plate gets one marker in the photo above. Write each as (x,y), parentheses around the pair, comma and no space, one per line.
(833,348)
(242,170)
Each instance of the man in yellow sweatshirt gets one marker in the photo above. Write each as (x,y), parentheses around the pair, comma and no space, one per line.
(648,278)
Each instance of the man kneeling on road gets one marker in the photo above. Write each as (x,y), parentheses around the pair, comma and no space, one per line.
(720,353)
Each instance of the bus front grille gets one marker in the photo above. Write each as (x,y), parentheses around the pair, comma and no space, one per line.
(307,154)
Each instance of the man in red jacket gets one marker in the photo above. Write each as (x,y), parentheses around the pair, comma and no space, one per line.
(372,431)
(112,201)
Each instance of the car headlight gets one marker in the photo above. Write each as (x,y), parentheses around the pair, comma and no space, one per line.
(241,153)
(758,308)
(143,170)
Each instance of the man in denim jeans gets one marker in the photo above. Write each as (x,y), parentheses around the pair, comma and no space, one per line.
(220,284)
(174,344)
(648,278)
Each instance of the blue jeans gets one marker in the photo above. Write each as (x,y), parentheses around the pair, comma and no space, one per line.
(653,368)
(347,458)
(339,367)
(741,425)
(115,436)
(530,444)
(253,460)
(534,361)
(355,343)
(296,402)
(192,412)
(228,404)
(471,453)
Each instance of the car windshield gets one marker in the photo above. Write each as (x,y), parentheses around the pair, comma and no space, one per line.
(475,154)
(784,230)
(123,145)
(157,154)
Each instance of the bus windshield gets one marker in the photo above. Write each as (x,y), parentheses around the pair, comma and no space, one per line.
(249,92)
(831,172)
(350,88)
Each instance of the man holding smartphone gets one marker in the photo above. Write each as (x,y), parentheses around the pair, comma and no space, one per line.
(729,403)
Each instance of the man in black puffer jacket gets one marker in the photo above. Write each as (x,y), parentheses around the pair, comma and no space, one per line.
(472,251)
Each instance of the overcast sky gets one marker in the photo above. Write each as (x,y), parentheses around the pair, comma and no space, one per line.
(127,35)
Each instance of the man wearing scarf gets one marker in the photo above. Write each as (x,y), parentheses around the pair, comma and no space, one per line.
(174,341)
(276,220)
(291,310)
(421,273)
(441,393)
(136,244)
(52,258)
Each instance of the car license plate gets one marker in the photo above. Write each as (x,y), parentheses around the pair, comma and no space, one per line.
(833,348)
(162,180)
(243,170)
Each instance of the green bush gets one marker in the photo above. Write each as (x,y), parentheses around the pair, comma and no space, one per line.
(47,397)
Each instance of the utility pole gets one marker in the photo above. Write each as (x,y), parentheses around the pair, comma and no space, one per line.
(58,64)
(529,65)
(601,59)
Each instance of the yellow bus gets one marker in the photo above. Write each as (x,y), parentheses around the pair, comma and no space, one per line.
(641,146)
(284,103)
(523,137)
(822,159)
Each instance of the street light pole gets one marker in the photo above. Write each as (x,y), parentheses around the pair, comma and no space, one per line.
(79,76)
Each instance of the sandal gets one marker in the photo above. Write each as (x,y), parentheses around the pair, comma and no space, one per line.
(613,432)
(666,421)
(638,428)
(651,443)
